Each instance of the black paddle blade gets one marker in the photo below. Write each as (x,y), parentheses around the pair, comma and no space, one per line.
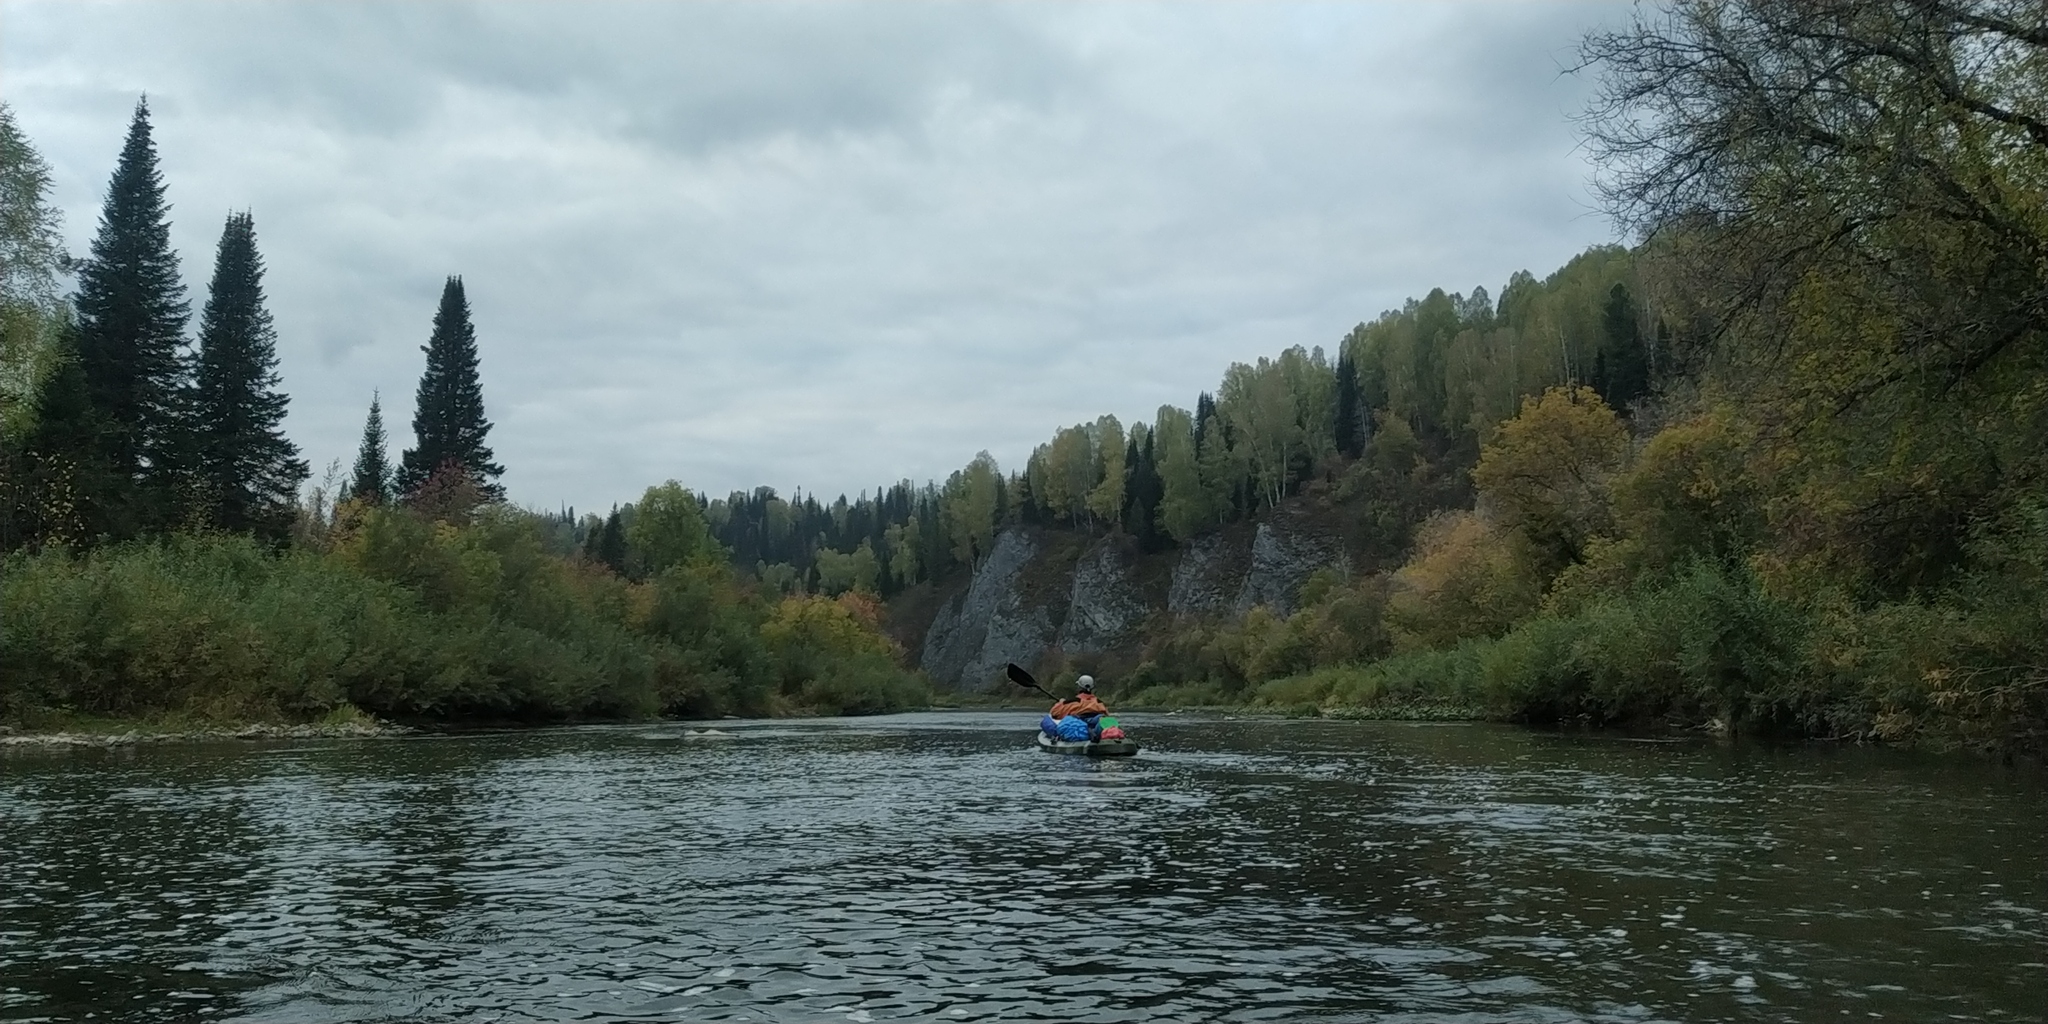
(1021,677)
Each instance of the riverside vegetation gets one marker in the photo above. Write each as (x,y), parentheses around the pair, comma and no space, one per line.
(1776,464)
(165,568)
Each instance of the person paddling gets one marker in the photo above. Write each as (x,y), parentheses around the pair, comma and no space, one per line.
(1083,710)
(1083,703)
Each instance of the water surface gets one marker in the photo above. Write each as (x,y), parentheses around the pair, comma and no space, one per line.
(938,867)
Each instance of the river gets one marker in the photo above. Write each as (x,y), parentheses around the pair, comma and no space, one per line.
(937,867)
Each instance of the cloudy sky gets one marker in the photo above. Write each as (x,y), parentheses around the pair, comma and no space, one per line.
(825,246)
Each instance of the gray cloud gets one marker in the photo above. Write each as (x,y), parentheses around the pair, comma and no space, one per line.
(828,245)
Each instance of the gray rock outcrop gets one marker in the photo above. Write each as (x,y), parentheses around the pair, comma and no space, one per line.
(1204,578)
(980,630)
(1281,562)
(1104,607)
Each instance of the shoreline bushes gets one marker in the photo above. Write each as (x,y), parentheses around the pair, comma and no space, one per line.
(417,620)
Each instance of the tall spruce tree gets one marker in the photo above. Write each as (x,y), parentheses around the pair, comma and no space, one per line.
(131,324)
(1205,411)
(1142,493)
(611,542)
(1621,370)
(1350,426)
(448,418)
(371,479)
(245,472)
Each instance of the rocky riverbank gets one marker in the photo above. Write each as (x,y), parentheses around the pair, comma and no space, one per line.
(15,738)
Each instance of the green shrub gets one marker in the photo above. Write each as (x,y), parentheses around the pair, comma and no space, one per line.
(413,619)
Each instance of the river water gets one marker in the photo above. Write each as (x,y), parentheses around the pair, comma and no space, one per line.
(938,867)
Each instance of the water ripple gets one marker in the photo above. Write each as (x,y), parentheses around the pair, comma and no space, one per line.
(937,868)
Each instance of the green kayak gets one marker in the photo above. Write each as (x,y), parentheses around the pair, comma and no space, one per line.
(1096,748)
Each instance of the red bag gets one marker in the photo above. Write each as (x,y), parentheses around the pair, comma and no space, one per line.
(1114,732)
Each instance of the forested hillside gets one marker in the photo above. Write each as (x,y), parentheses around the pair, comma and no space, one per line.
(1779,463)
(1395,421)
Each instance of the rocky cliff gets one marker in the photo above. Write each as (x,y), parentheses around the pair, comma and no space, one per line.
(987,625)
(1045,591)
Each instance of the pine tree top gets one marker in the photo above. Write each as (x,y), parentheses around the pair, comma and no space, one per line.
(236,332)
(246,471)
(448,418)
(371,479)
(131,259)
(131,322)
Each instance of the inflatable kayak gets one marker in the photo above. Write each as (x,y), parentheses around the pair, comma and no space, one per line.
(1096,748)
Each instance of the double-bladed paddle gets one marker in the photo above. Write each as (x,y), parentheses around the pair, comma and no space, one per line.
(1023,678)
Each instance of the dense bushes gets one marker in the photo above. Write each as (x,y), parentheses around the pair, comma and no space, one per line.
(411,618)
(1343,623)
(1663,585)
(1708,644)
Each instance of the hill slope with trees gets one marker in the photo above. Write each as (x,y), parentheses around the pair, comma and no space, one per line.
(1779,464)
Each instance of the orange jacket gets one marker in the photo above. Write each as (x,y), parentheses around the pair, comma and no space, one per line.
(1082,704)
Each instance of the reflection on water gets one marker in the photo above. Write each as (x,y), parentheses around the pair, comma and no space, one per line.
(939,867)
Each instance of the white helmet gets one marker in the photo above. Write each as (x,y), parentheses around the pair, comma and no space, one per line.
(1085,684)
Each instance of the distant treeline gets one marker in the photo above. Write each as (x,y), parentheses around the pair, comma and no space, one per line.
(1419,386)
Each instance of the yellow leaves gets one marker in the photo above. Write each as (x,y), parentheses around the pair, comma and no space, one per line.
(1544,508)
(903,542)
(1069,472)
(1690,491)
(448,565)
(1467,578)
(1610,565)
(865,609)
(1547,470)
(630,604)
(834,628)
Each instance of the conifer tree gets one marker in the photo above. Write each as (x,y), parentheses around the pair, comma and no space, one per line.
(1205,412)
(611,543)
(371,479)
(245,472)
(1144,492)
(1350,426)
(448,418)
(1621,371)
(131,324)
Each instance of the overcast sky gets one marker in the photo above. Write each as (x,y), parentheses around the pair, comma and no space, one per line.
(822,246)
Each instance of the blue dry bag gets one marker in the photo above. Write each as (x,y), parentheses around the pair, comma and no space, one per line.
(1073,729)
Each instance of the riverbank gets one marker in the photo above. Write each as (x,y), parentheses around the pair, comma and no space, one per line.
(104,733)
(134,734)
(64,730)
